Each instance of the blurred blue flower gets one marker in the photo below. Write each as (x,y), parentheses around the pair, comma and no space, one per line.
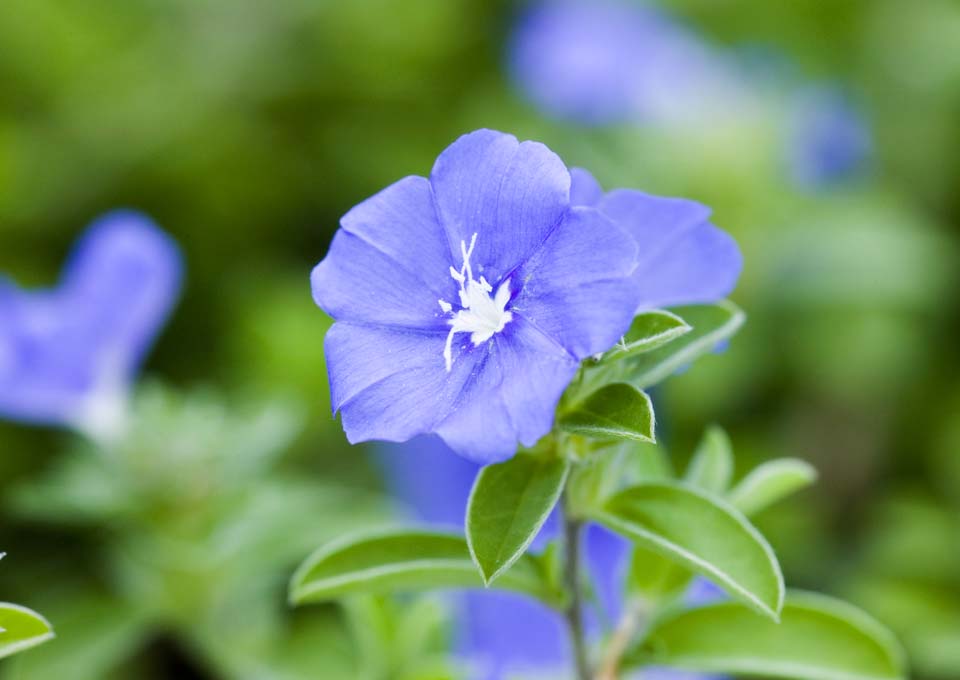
(68,355)
(603,61)
(464,302)
(830,140)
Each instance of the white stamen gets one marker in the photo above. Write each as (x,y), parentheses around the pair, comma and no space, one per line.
(482,316)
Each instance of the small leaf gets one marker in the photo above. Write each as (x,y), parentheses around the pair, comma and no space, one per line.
(611,467)
(712,464)
(400,561)
(508,505)
(648,331)
(818,638)
(395,637)
(21,628)
(712,324)
(656,577)
(703,534)
(96,634)
(769,482)
(615,411)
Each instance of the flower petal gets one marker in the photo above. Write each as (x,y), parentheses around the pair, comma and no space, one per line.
(401,222)
(506,635)
(585,190)
(703,266)
(654,221)
(357,282)
(511,194)
(121,281)
(607,556)
(684,259)
(577,288)
(391,383)
(61,349)
(428,478)
(43,376)
(584,60)
(513,396)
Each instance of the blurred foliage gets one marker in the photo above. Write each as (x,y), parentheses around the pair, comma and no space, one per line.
(247,128)
(196,525)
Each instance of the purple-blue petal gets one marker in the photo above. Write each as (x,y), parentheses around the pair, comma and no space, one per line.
(506,635)
(605,61)
(577,287)
(671,674)
(684,259)
(579,60)
(513,396)
(390,262)
(44,378)
(702,592)
(390,383)
(124,278)
(702,267)
(357,282)
(87,337)
(607,557)
(830,140)
(585,190)
(511,194)
(401,223)
(426,476)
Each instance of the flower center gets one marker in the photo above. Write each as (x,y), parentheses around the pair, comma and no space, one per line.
(482,314)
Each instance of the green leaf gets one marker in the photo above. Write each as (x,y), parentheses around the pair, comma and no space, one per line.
(615,411)
(611,467)
(21,628)
(648,331)
(712,324)
(655,577)
(712,466)
(96,634)
(703,534)
(509,503)
(397,638)
(769,482)
(401,560)
(818,638)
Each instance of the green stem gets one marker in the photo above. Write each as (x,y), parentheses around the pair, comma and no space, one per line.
(630,622)
(572,530)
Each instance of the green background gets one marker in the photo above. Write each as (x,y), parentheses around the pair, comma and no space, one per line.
(247,128)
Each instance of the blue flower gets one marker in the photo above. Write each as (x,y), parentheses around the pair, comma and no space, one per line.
(465,302)
(68,355)
(603,61)
(830,140)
